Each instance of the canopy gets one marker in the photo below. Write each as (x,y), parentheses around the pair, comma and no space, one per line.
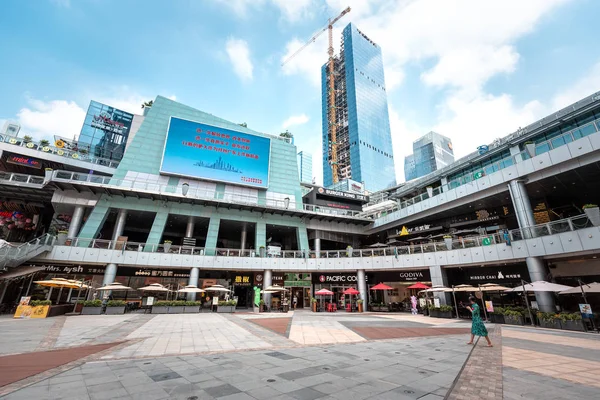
(382,286)
(493,287)
(323,292)
(275,288)
(217,288)
(418,285)
(115,286)
(155,287)
(269,291)
(593,287)
(62,283)
(438,288)
(541,286)
(465,288)
(351,291)
(191,289)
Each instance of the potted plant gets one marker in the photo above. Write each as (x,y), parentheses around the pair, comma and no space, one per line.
(313,304)
(262,252)
(226,306)
(572,322)
(448,241)
(429,191)
(359,302)
(434,311)
(115,307)
(91,307)
(349,250)
(44,143)
(548,320)
(160,307)
(530,148)
(176,307)
(512,317)
(192,307)
(383,307)
(593,213)
(261,305)
(61,237)
(28,141)
(445,311)
(497,317)
(167,245)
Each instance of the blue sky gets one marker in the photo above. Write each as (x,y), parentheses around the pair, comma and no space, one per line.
(468,69)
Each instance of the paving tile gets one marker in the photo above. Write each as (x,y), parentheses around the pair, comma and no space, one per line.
(221,390)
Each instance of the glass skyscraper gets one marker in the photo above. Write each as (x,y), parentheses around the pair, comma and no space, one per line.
(364,140)
(430,153)
(305,167)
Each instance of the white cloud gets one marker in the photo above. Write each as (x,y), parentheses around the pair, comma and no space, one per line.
(44,119)
(295,10)
(295,120)
(585,86)
(240,7)
(239,56)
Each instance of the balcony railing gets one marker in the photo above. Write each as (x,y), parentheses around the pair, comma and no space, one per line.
(196,193)
(515,235)
(76,155)
(21,178)
(540,148)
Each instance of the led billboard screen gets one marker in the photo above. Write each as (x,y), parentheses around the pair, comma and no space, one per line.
(207,152)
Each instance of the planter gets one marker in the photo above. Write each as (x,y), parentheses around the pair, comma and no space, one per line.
(593,215)
(115,310)
(550,324)
(360,307)
(576,325)
(61,239)
(91,311)
(225,309)
(497,318)
(384,309)
(434,313)
(262,252)
(175,310)
(448,243)
(530,147)
(445,314)
(512,320)
(191,309)
(167,247)
(160,309)
(314,307)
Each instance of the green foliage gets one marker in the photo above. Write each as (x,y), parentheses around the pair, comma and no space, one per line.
(27,138)
(245,125)
(147,104)
(446,308)
(498,310)
(547,317)
(313,300)
(227,303)
(261,302)
(589,206)
(116,303)
(447,236)
(512,313)
(44,143)
(359,301)
(35,303)
(168,242)
(193,303)
(287,134)
(91,303)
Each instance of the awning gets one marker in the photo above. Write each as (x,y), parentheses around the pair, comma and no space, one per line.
(20,272)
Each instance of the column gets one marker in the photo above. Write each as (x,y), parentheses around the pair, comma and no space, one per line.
(243,236)
(362,287)
(520,200)
(317,247)
(260,239)
(189,228)
(76,220)
(267,281)
(212,236)
(539,272)
(194,274)
(119,225)
(439,277)
(3,291)
(110,274)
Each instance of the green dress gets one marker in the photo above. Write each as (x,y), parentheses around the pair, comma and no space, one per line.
(477,327)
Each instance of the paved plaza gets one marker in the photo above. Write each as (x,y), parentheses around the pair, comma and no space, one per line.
(296,355)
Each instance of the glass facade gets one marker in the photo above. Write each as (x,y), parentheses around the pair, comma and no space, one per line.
(305,167)
(364,140)
(105,131)
(430,153)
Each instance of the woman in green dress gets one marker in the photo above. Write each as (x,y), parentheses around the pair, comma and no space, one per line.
(477,327)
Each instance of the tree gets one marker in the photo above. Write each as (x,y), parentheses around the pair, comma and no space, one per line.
(147,104)
(245,125)
(287,134)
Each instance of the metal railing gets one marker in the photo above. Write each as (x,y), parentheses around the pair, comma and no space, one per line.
(21,178)
(11,255)
(515,235)
(76,155)
(539,148)
(196,193)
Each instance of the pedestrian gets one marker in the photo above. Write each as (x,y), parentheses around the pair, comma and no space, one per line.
(506,237)
(413,303)
(295,302)
(477,326)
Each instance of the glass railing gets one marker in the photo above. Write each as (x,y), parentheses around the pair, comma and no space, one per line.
(15,253)
(454,243)
(45,147)
(21,178)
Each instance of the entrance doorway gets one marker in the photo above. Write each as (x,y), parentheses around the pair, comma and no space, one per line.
(244,296)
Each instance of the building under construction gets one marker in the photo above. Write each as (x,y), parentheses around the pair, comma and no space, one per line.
(363,142)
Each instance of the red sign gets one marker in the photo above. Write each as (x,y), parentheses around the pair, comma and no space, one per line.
(24,161)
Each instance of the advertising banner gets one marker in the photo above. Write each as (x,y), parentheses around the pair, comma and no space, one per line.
(207,152)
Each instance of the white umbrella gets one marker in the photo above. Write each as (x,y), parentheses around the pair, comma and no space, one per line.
(217,288)
(493,287)
(593,287)
(437,288)
(465,288)
(269,291)
(191,289)
(154,287)
(276,288)
(541,286)
(115,286)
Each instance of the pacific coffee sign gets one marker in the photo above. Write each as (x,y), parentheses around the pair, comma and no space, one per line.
(335,278)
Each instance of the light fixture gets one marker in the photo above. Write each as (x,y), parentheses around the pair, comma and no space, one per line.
(286,202)
(184,188)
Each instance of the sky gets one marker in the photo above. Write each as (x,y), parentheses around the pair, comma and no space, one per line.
(469,69)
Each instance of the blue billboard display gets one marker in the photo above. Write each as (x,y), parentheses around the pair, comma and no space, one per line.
(207,152)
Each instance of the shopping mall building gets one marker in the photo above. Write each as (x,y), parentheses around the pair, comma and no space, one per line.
(178,196)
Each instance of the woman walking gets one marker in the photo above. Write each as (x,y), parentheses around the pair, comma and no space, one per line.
(477,327)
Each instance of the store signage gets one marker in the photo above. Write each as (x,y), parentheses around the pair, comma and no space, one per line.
(407,231)
(242,280)
(344,195)
(217,154)
(297,280)
(74,269)
(402,276)
(104,121)
(335,278)
(276,279)
(483,149)
(24,161)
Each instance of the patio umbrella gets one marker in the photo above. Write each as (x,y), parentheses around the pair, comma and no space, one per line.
(191,289)
(583,288)
(352,292)
(490,287)
(154,287)
(381,286)
(60,283)
(217,288)
(437,288)
(418,286)
(276,288)
(115,286)
(541,286)
(462,288)
(324,292)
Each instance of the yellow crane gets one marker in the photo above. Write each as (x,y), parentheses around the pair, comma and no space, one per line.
(331,112)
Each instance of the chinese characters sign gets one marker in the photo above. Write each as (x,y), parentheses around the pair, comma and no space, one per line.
(207,152)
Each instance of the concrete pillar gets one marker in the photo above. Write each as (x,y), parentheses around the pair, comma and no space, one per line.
(439,277)
(76,220)
(119,225)
(212,236)
(539,272)
(110,274)
(267,281)
(362,286)
(520,200)
(317,247)
(189,229)
(243,236)
(194,274)
(3,291)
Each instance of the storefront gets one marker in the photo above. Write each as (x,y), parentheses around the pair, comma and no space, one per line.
(398,299)
(299,288)
(337,283)
(243,288)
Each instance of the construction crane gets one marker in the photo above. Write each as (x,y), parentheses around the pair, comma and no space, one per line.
(331,114)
